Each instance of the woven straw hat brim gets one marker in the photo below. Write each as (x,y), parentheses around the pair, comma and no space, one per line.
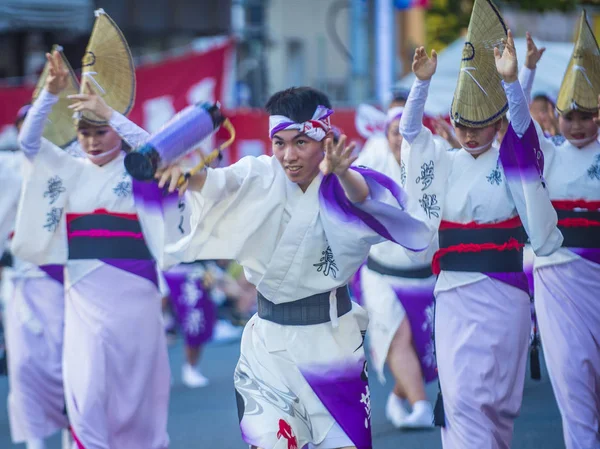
(479,98)
(59,128)
(581,84)
(108,67)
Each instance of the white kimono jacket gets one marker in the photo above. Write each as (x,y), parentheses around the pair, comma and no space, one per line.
(465,189)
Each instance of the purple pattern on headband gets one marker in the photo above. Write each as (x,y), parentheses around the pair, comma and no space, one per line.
(195,311)
(180,134)
(517,279)
(142,268)
(391,222)
(56,272)
(344,391)
(280,127)
(522,156)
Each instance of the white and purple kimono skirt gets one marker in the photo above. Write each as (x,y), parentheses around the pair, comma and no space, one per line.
(567,290)
(485,208)
(301,380)
(115,364)
(392,286)
(34,326)
(194,309)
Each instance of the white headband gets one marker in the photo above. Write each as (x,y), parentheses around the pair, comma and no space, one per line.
(316,128)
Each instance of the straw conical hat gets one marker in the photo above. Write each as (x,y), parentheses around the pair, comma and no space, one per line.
(581,84)
(479,98)
(59,129)
(108,67)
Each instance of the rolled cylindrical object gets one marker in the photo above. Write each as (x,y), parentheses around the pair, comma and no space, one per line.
(174,140)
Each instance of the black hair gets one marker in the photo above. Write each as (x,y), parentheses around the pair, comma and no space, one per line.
(297,103)
(542,97)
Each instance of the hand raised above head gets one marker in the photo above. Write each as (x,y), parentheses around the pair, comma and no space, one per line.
(534,54)
(91,102)
(58,75)
(506,62)
(423,66)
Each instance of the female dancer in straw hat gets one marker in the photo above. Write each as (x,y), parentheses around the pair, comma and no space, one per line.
(567,282)
(81,212)
(484,202)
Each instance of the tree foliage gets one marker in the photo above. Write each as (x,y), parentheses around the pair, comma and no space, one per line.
(446,19)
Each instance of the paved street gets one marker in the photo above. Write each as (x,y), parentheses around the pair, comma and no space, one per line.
(207,418)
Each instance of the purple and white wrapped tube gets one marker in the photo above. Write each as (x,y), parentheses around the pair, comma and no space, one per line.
(174,140)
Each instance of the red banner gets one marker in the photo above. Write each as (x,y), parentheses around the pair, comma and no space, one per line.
(162,89)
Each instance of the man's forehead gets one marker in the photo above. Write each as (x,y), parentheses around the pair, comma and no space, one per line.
(288,134)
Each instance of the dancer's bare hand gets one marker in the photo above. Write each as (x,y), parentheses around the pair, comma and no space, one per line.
(91,102)
(338,158)
(58,75)
(169,176)
(423,66)
(534,54)
(506,63)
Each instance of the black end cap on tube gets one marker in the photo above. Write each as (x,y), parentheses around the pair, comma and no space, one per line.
(142,163)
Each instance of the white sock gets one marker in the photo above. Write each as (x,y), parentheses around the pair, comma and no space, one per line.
(35,443)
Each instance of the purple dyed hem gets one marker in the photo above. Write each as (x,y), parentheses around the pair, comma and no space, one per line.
(142,268)
(522,155)
(518,280)
(415,301)
(344,391)
(591,254)
(56,272)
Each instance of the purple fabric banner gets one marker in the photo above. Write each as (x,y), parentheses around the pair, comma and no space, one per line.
(194,309)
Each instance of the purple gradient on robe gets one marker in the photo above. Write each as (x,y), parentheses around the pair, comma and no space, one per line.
(517,279)
(196,317)
(149,193)
(344,391)
(418,303)
(180,134)
(56,272)
(392,223)
(142,268)
(522,156)
(591,254)
(528,270)
(355,286)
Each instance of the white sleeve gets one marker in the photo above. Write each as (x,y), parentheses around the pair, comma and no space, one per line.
(411,121)
(427,165)
(526,77)
(520,117)
(233,203)
(129,131)
(30,137)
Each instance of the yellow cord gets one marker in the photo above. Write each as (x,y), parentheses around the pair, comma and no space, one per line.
(214,154)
